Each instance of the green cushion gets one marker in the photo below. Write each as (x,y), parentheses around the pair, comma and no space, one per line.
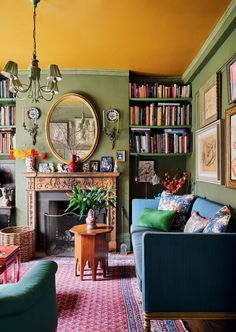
(160,219)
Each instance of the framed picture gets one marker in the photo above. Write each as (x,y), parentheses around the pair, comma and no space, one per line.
(46,167)
(94,165)
(145,170)
(86,167)
(120,155)
(231,79)
(106,164)
(59,134)
(230,143)
(210,95)
(208,153)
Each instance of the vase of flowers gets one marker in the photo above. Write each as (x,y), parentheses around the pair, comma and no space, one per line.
(90,202)
(29,155)
(174,183)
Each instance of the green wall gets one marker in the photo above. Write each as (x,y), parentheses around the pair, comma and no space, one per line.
(217,62)
(105,89)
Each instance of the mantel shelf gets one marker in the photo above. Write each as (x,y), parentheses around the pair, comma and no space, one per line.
(72,175)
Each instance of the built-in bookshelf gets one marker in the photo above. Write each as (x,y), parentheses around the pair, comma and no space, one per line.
(7,118)
(160,121)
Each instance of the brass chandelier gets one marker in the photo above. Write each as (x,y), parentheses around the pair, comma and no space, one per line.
(34,90)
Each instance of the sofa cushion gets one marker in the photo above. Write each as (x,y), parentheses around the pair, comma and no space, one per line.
(195,223)
(159,219)
(180,203)
(219,221)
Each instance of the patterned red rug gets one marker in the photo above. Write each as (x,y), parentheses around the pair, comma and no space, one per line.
(109,304)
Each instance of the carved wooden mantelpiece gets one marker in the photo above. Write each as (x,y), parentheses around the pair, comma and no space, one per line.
(38,182)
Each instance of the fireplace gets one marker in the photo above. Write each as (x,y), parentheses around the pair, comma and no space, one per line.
(46,196)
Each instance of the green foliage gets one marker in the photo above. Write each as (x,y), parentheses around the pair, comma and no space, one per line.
(92,198)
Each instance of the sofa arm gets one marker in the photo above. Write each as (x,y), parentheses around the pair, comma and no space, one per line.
(189,272)
(138,204)
(19,297)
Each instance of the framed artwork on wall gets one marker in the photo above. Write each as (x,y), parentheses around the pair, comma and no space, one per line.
(208,153)
(120,155)
(210,100)
(145,170)
(231,79)
(230,143)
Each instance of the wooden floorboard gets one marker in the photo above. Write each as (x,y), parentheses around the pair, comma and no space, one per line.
(210,325)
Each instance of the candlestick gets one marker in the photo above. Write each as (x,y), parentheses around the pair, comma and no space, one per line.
(103,120)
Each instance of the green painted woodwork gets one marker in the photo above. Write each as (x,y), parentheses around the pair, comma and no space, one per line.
(216,63)
(7,101)
(104,91)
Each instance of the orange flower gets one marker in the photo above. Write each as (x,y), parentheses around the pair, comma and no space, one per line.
(16,153)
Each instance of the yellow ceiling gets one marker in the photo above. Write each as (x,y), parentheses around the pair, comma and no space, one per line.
(159,37)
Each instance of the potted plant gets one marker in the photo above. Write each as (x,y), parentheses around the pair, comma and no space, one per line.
(90,201)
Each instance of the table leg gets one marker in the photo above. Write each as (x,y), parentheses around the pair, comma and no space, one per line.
(82,264)
(18,268)
(94,266)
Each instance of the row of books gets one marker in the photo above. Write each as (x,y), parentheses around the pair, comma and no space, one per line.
(157,90)
(169,141)
(7,116)
(4,89)
(7,141)
(161,115)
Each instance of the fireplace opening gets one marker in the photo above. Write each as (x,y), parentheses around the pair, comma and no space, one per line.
(55,237)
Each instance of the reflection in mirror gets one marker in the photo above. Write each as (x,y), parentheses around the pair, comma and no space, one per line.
(72,127)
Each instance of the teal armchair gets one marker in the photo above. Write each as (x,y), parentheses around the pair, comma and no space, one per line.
(30,305)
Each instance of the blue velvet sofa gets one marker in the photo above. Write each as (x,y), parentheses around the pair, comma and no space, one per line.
(184,275)
(30,305)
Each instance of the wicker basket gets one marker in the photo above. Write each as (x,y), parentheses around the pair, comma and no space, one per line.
(24,237)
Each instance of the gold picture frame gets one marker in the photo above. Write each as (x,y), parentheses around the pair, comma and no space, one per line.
(209,153)
(210,100)
(120,156)
(230,151)
(231,79)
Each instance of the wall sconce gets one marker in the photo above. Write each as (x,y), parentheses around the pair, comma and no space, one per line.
(111,125)
(33,115)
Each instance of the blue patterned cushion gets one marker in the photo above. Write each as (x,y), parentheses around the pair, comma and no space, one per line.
(219,221)
(180,203)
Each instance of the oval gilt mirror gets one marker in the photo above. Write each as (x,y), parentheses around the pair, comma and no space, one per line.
(72,127)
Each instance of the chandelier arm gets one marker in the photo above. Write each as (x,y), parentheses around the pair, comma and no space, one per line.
(24,90)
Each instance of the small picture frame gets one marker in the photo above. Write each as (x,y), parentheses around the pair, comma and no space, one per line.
(145,170)
(210,97)
(120,155)
(85,167)
(94,165)
(46,168)
(106,164)
(231,79)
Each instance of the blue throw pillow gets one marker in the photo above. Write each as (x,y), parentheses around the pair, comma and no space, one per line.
(180,203)
(219,221)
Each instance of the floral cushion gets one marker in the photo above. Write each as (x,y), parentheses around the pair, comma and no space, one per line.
(180,203)
(219,221)
(196,223)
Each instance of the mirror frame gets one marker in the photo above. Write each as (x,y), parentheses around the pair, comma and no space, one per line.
(97,126)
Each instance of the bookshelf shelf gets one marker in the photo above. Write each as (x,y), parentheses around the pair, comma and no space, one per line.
(177,100)
(160,127)
(7,101)
(159,154)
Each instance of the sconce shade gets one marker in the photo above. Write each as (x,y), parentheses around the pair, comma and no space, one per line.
(54,73)
(10,70)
